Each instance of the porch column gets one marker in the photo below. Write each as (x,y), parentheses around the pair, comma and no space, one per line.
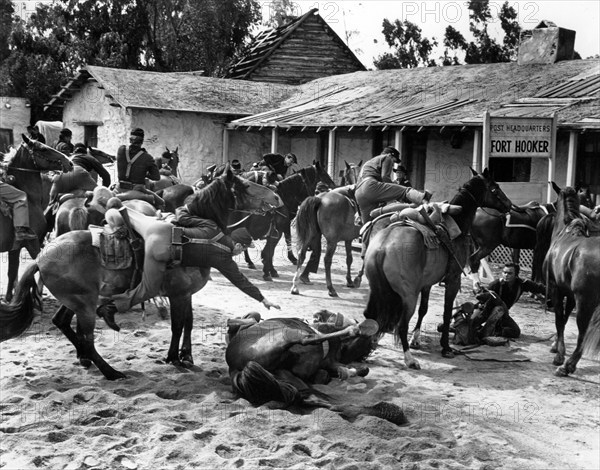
(573,138)
(485,158)
(274,140)
(476,163)
(331,153)
(398,138)
(552,162)
(225,156)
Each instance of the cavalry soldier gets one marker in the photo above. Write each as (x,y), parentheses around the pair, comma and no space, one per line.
(63,144)
(402,176)
(134,165)
(89,163)
(35,134)
(18,200)
(236,167)
(376,186)
(279,164)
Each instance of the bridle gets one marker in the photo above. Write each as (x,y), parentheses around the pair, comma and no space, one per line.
(32,157)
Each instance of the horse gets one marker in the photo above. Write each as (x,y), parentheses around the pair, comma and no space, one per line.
(264,177)
(515,229)
(168,176)
(351,173)
(277,359)
(71,269)
(292,190)
(330,214)
(399,265)
(29,161)
(78,213)
(572,272)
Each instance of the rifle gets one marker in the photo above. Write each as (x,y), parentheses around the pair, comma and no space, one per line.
(442,237)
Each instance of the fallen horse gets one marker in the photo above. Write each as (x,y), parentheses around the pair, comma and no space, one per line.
(278,359)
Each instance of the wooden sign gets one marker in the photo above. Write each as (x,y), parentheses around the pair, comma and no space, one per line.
(520,137)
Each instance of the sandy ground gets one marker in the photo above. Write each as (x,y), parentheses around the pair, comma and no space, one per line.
(463,413)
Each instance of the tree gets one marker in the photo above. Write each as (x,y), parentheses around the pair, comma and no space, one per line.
(163,35)
(411,48)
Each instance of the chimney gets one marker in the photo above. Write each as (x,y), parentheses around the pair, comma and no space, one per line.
(546,44)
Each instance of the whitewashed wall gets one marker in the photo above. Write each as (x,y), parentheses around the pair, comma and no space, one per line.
(15,114)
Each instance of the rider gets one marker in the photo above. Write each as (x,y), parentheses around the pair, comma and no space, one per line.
(503,293)
(89,163)
(236,167)
(63,144)
(18,200)
(279,164)
(34,133)
(164,163)
(134,165)
(402,176)
(375,185)
(210,248)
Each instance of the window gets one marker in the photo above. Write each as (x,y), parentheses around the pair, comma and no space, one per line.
(90,135)
(511,170)
(588,161)
(6,139)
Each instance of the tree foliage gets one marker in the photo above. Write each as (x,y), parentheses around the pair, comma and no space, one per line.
(162,35)
(412,49)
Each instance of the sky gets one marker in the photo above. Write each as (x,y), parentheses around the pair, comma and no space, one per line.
(363,19)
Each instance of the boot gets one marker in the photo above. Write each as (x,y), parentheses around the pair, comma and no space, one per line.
(107,311)
(418,197)
(24,233)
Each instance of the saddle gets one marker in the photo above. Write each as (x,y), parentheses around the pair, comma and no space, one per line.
(526,219)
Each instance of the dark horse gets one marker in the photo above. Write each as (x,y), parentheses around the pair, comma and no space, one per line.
(330,215)
(399,265)
(515,229)
(271,225)
(30,159)
(572,271)
(277,359)
(71,269)
(168,164)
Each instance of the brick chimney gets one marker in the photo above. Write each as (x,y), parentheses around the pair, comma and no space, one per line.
(546,44)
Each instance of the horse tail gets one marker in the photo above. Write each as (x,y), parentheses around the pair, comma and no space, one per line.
(543,237)
(384,305)
(78,218)
(17,316)
(258,386)
(591,341)
(307,224)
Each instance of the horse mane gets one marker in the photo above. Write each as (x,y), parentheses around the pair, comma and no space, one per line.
(213,202)
(474,186)
(575,225)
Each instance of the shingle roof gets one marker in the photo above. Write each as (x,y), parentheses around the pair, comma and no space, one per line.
(454,95)
(179,91)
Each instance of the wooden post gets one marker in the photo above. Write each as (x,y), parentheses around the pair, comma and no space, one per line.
(573,137)
(225,157)
(274,140)
(552,161)
(398,137)
(485,158)
(476,163)
(331,153)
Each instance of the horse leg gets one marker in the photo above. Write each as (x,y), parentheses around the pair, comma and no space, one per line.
(288,242)
(475,261)
(185,354)
(301,258)
(62,320)
(560,320)
(86,322)
(313,262)
(584,315)
(248,261)
(327,260)
(516,255)
(408,307)
(452,286)
(13,272)
(267,258)
(415,342)
(180,311)
(349,282)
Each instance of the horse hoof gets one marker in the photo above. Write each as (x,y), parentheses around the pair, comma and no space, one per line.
(306,280)
(187,361)
(415,345)
(115,375)
(414,365)
(362,371)
(561,372)
(267,277)
(333,293)
(293,260)
(274,273)
(448,354)
(251,266)
(350,284)
(553,349)
(558,360)
(357,282)
(295,291)
(85,362)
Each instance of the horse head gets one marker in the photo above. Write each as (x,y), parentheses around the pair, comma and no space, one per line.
(489,193)
(567,211)
(351,173)
(103,157)
(322,175)
(42,157)
(248,195)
